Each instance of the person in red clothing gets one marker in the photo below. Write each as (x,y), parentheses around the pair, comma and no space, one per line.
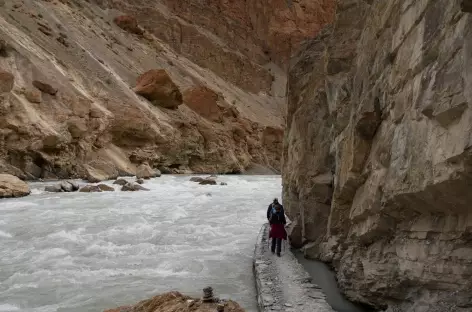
(277,228)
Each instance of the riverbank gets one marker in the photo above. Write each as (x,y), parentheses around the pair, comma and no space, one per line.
(282,283)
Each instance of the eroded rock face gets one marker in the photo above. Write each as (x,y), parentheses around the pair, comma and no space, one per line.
(156,86)
(377,161)
(71,111)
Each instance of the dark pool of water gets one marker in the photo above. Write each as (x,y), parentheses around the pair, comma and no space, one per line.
(325,278)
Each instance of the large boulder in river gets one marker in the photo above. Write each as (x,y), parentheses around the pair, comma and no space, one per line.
(91,189)
(133,187)
(106,188)
(11,186)
(56,188)
(145,171)
(208,181)
(157,86)
(197,179)
(69,186)
(64,186)
(120,181)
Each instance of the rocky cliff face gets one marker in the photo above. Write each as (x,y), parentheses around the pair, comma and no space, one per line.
(69,69)
(377,154)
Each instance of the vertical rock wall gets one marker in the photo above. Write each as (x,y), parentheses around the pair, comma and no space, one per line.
(377,158)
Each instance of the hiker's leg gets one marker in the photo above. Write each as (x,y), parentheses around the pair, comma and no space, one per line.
(273,244)
(279,245)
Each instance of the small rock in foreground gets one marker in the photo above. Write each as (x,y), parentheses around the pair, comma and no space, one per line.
(175,301)
(11,186)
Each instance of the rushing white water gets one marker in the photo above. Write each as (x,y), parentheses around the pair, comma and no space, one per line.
(92,251)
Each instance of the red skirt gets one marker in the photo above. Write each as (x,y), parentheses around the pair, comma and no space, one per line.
(277,231)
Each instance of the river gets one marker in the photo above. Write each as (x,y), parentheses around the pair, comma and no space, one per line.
(92,251)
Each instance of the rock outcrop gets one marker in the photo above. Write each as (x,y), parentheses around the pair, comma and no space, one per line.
(377,161)
(176,302)
(157,86)
(67,105)
(144,171)
(11,186)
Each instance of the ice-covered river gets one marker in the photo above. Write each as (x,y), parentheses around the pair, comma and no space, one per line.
(91,251)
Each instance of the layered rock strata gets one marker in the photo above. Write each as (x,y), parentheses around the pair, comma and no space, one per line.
(377,154)
(71,106)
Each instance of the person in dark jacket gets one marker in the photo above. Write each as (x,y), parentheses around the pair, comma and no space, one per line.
(271,208)
(277,228)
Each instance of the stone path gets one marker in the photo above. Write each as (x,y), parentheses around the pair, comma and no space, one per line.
(282,283)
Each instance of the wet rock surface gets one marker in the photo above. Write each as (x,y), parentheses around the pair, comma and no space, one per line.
(282,283)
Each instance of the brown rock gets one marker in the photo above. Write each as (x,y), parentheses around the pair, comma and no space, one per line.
(197,179)
(120,181)
(44,87)
(157,86)
(11,186)
(128,23)
(203,101)
(33,95)
(98,171)
(175,301)
(377,153)
(144,171)
(90,189)
(208,181)
(7,81)
(106,188)
(133,187)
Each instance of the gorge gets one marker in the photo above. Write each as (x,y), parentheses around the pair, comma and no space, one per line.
(362,106)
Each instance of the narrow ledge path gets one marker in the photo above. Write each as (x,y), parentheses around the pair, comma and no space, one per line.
(282,283)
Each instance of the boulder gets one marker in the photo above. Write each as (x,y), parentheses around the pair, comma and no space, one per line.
(44,87)
(106,188)
(99,171)
(208,181)
(204,102)
(33,96)
(120,181)
(90,189)
(144,171)
(6,81)
(68,186)
(11,186)
(56,188)
(197,179)
(132,187)
(128,23)
(223,183)
(140,181)
(157,86)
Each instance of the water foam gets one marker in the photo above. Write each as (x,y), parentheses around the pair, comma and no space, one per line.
(83,252)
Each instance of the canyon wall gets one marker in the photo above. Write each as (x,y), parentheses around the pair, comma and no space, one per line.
(68,69)
(377,162)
